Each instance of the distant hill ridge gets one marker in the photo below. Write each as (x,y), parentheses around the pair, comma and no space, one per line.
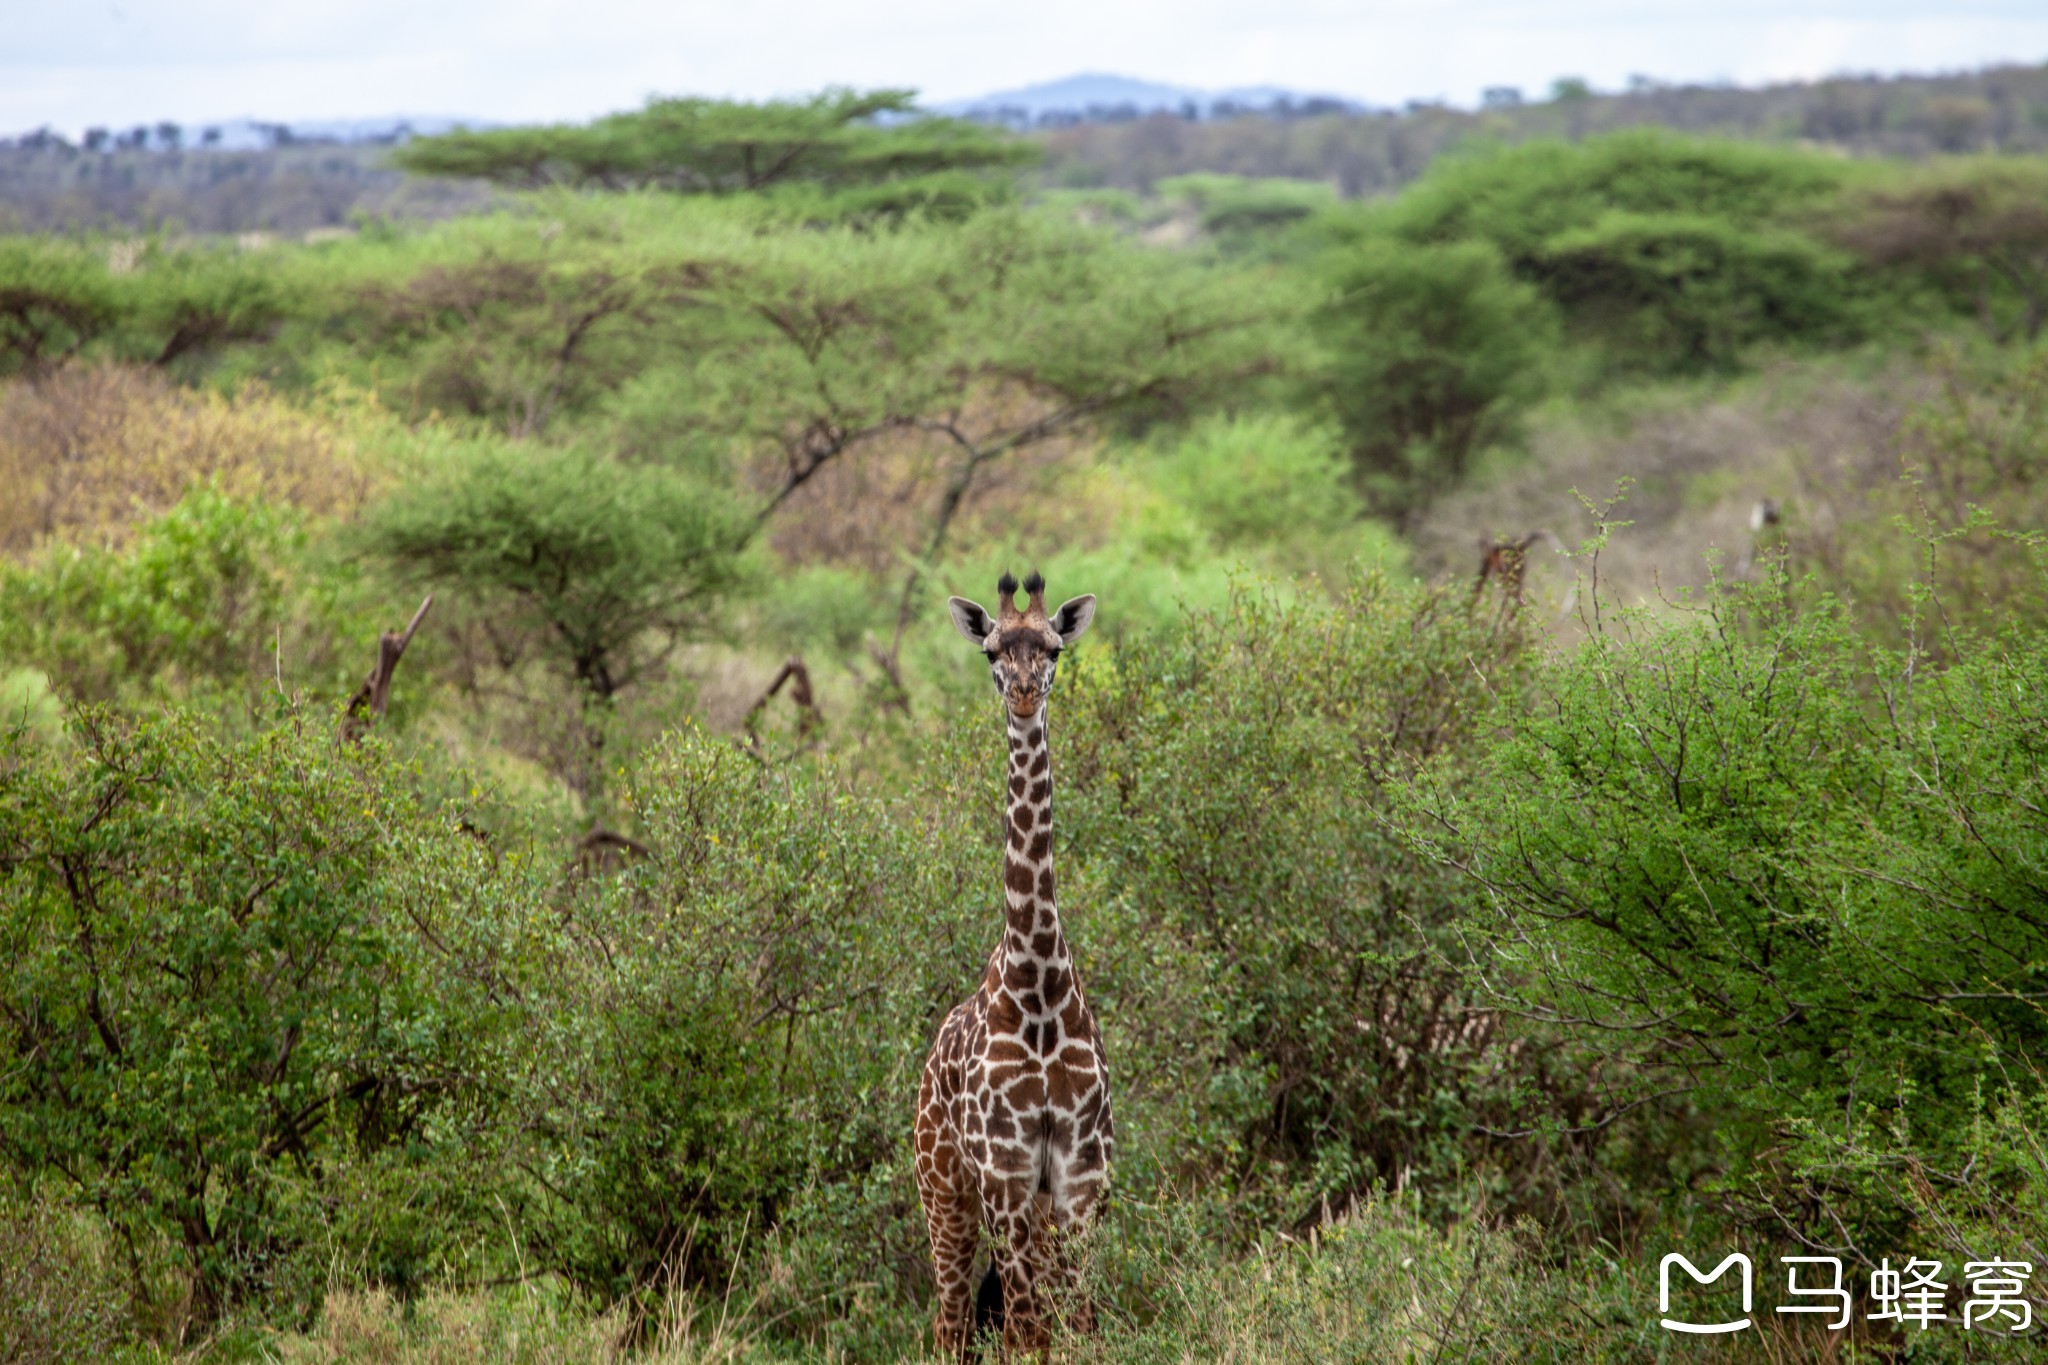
(1098,97)
(1096,131)
(1089,97)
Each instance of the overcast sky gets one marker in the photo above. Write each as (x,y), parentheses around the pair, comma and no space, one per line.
(73,63)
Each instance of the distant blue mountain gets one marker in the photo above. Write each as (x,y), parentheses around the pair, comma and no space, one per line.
(1095,96)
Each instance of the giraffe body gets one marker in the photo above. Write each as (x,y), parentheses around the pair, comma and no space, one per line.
(1013,1131)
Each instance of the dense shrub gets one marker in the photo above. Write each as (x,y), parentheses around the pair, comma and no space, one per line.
(136,300)
(1976,230)
(1519,198)
(1686,291)
(735,1027)
(1795,877)
(1669,253)
(1429,353)
(1268,956)
(232,971)
(1267,483)
(203,601)
(90,451)
(589,556)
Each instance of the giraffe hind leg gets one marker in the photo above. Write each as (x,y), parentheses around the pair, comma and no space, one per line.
(1073,1213)
(1015,1216)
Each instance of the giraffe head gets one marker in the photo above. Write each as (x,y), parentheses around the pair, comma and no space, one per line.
(1023,647)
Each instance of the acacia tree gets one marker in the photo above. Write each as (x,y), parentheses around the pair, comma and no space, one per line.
(1429,354)
(593,567)
(59,299)
(736,344)
(988,338)
(840,138)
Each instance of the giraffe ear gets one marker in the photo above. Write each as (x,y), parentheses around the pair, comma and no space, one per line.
(970,620)
(1075,615)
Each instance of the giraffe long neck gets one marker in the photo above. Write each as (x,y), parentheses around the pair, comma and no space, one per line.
(1036,966)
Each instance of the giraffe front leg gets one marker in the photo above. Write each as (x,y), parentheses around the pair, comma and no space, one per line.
(953,1228)
(946,1188)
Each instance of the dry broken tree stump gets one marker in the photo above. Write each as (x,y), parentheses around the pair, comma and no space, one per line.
(366,707)
(794,675)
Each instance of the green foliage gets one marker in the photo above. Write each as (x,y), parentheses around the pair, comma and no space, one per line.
(1270,486)
(59,298)
(1266,951)
(1670,253)
(730,1021)
(506,322)
(705,334)
(1236,207)
(61,1295)
(230,969)
(820,608)
(1429,354)
(607,565)
(194,599)
(1519,198)
(1378,1282)
(841,139)
(55,297)
(1261,478)
(1977,230)
(1800,879)
(1680,292)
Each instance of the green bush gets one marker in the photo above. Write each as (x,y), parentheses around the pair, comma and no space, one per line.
(1243,212)
(1975,230)
(1519,198)
(1428,355)
(1670,253)
(1795,877)
(234,971)
(1683,292)
(1267,956)
(606,565)
(60,298)
(197,602)
(720,1080)
(55,298)
(1262,479)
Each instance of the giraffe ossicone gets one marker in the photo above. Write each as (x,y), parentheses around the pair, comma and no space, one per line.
(1013,1132)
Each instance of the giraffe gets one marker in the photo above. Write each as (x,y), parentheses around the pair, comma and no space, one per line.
(1013,1127)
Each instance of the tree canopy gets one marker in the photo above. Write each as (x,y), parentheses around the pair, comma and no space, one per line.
(842,139)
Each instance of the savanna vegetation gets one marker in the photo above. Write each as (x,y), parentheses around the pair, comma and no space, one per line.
(1557,778)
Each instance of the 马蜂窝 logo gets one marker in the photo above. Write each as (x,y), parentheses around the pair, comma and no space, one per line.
(1735,1258)
(1996,1295)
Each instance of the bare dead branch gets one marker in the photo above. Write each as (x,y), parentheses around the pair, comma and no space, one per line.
(367,705)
